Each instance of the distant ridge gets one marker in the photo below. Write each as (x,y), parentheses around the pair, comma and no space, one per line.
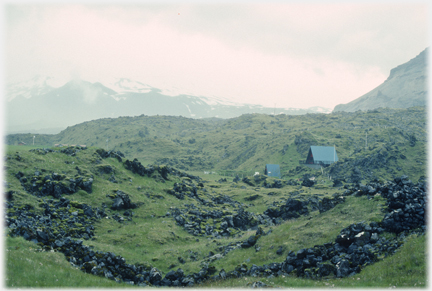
(34,106)
(405,87)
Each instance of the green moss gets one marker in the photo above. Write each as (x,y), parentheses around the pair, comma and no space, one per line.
(76,204)
(254,220)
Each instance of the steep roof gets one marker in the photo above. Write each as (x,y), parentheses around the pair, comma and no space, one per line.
(327,154)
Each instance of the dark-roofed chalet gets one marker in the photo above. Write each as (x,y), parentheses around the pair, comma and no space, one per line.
(321,156)
(272,170)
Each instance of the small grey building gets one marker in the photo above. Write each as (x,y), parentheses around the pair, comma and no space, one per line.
(272,170)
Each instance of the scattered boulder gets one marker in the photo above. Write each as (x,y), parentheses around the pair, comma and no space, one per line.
(259,178)
(110,154)
(112,179)
(342,268)
(248,181)
(122,201)
(70,151)
(280,251)
(251,241)
(136,167)
(307,183)
(326,203)
(337,183)
(9,195)
(105,169)
(252,197)
(258,284)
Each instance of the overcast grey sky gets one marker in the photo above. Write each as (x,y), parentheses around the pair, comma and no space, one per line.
(284,53)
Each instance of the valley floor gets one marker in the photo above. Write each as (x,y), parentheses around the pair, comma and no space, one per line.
(76,213)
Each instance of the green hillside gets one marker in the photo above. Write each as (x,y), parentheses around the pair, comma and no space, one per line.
(393,140)
(110,217)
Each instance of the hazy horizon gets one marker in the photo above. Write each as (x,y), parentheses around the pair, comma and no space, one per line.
(285,54)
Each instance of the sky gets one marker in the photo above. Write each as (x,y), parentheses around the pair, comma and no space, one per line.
(276,54)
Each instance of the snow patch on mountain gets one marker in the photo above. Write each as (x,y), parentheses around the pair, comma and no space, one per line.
(172,91)
(187,106)
(213,100)
(124,85)
(35,86)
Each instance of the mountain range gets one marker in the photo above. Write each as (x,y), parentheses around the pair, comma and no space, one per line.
(37,107)
(405,87)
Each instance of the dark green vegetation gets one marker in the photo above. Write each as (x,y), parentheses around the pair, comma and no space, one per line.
(151,233)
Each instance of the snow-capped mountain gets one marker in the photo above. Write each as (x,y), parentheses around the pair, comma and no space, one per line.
(35,105)
(38,85)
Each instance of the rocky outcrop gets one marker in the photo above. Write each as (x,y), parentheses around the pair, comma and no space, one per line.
(328,203)
(387,157)
(137,168)
(110,154)
(406,202)
(59,219)
(158,172)
(252,240)
(186,162)
(405,87)
(293,208)
(357,245)
(261,180)
(121,201)
(307,183)
(72,150)
(228,223)
(42,151)
(48,231)
(54,184)
(248,181)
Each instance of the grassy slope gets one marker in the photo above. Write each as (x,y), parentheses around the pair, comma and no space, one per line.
(405,269)
(305,232)
(27,266)
(155,239)
(245,144)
